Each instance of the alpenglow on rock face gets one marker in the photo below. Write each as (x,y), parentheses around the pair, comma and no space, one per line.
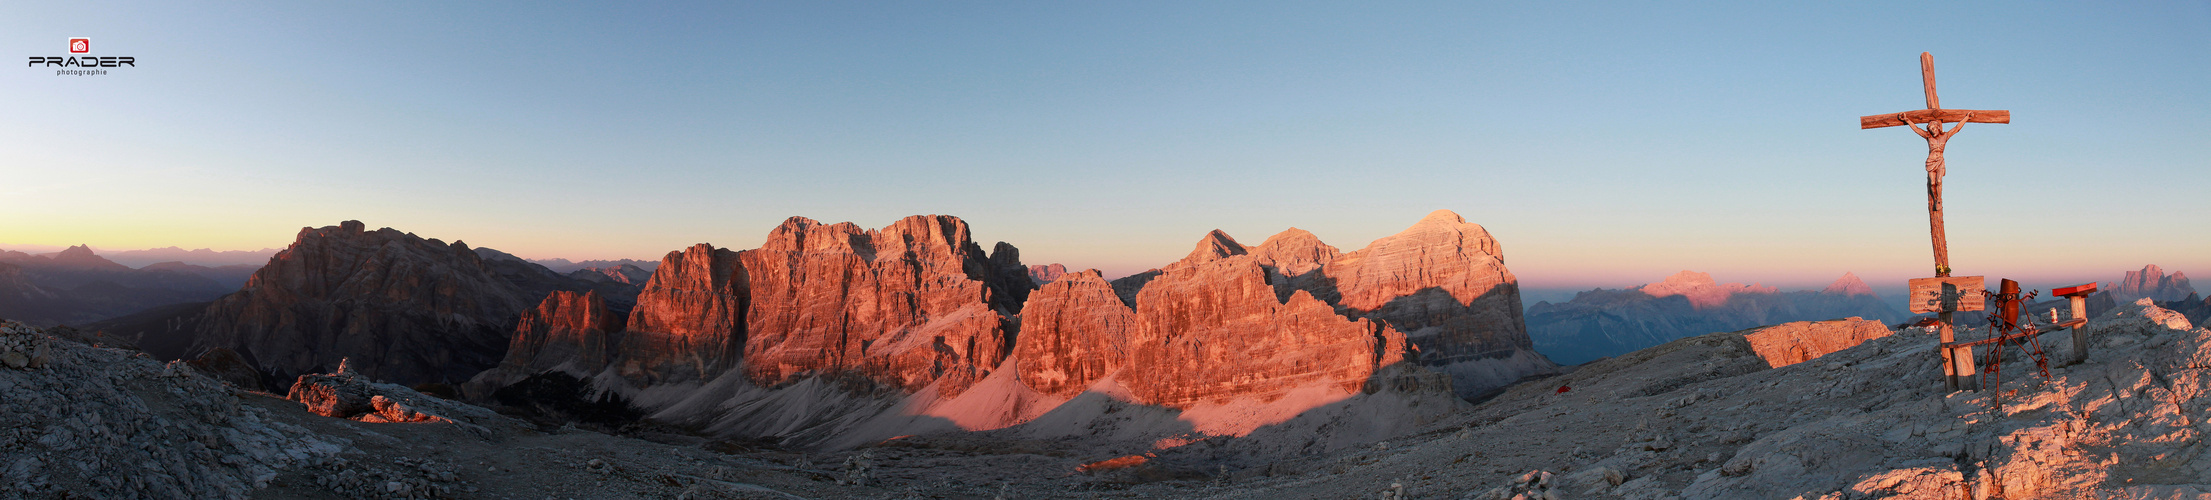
(1444,283)
(1441,282)
(1210,329)
(689,323)
(775,336)
(1074,331)
(569,332)
(909,305)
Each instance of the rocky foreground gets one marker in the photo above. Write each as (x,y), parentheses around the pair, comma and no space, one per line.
(1705,417)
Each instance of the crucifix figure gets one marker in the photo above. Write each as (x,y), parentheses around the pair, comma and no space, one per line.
(1928,123)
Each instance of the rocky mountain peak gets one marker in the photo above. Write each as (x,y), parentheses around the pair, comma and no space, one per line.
(1294,252)
(81,257)
(1848,285)
(1445,229)
(404,308)
(689,322)
(2151,282)
(1442,216)
(1216,245)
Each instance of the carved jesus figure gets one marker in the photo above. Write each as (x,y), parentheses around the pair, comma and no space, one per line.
(1936,139)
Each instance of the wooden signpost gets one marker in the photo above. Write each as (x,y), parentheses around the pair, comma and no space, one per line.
(2077,295)
(1941,294)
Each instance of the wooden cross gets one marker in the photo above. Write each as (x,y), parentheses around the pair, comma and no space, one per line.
(1928,124)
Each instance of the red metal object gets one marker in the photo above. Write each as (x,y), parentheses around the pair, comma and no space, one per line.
(2005,328)
(2074,290)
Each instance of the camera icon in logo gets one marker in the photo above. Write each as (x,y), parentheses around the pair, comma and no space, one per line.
(80,45)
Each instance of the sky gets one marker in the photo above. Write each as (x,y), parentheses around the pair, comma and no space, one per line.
(1602,143)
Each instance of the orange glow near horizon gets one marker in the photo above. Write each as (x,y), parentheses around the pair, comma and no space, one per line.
(1539,261)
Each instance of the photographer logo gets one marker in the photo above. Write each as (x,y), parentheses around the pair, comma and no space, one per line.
(86,65)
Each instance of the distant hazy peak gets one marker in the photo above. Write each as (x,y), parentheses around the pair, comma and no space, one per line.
(1701,290)
(1848,285)
(2152,282)
(81,256)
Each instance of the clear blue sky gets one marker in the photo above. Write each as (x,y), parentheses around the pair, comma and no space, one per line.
(1602,143)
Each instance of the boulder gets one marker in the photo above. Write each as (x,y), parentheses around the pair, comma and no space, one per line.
(22,346)
(1796,342)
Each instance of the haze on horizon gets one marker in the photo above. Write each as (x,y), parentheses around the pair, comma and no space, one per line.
(1602,145)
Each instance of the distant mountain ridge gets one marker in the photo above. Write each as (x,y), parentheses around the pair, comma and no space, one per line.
(406,309)
(199,257)
(1601,322)
(565,266)
(834,335)
(77,286)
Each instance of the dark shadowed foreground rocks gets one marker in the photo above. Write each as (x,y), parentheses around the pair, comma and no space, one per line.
(100,422)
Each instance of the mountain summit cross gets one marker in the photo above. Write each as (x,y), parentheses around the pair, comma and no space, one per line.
(1928,124)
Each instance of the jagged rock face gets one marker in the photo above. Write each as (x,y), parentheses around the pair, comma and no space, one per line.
(1444,283)
(909,305)
(406,309)
(1796,342)
(689,322)
(568,328)
(1074,331)
(2152,283)
(1210,329)
(1293,260)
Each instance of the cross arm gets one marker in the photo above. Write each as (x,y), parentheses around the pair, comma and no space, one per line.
(1934,115)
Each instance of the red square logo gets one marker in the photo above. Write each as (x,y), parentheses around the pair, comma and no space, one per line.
(80,45)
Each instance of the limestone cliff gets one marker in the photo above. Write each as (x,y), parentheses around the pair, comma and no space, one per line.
(689,323)
(406,309)
(910,305)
